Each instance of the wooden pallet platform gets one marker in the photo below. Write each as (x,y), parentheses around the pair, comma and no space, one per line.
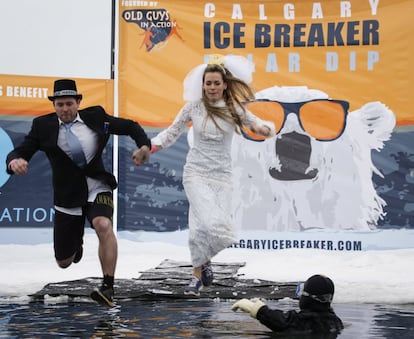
(167,281)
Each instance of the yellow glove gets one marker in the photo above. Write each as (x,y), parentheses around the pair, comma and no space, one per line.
(248,306)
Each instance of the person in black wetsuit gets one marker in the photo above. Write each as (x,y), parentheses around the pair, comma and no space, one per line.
(316,315)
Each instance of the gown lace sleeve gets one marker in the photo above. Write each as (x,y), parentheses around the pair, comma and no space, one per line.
(170,135)
(249,119)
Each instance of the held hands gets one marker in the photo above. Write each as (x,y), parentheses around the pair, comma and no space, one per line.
(249,306)
(141,155)
(19,166)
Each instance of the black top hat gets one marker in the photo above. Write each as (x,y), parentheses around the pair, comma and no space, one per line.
(64,88)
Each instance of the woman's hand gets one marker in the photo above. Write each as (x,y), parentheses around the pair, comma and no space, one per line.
(262,130)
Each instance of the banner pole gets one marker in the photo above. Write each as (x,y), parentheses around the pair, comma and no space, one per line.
(114,75)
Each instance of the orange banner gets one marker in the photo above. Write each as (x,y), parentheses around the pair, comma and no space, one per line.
(357,51)
(28,95)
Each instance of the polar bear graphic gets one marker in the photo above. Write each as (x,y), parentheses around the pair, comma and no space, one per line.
(294,182)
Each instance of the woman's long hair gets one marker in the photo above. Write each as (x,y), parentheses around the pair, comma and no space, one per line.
(236,93)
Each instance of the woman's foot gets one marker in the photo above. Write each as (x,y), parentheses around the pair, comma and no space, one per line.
(194,287)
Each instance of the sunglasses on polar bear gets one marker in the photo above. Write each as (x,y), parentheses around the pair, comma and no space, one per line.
(322,119)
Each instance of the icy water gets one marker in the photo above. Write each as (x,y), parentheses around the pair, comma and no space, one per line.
(182,319)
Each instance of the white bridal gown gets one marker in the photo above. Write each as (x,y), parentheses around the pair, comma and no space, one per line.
(207,178)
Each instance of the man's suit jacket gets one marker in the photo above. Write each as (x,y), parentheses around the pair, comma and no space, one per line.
(69,181)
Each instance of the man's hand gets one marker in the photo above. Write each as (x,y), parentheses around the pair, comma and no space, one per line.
(19,166)
(248,306)
(141,155)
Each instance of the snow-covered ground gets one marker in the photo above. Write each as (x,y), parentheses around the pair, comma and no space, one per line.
(374,276)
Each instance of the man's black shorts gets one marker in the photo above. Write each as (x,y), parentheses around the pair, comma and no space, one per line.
(69,229)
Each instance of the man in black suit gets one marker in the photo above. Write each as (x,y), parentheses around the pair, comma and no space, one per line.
(82,186)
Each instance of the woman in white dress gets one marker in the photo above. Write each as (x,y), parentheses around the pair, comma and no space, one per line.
(215,109)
